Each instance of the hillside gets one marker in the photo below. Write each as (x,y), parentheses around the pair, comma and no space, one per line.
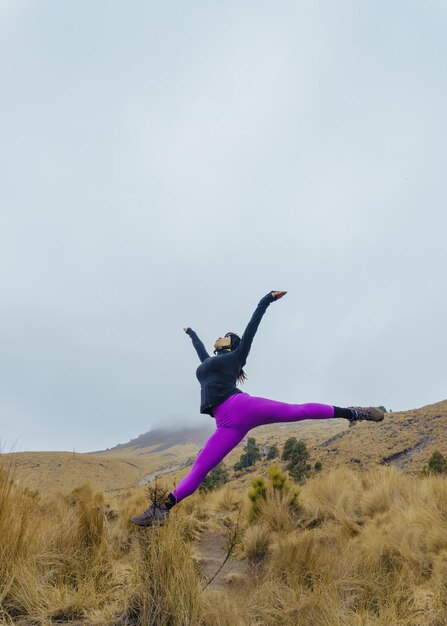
(405,439)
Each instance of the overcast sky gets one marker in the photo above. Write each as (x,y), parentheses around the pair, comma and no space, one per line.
(168,164)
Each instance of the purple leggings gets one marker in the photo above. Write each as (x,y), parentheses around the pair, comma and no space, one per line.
(235,416)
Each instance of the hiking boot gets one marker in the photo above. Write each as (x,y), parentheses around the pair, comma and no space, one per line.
(370,413)
(155,515)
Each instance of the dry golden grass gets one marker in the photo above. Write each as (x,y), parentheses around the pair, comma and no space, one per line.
(114,471)
(256,542)
(75,558)
(354,549)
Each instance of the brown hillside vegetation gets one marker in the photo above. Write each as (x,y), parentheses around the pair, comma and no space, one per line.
(406,439)
(60,472)
(348,548)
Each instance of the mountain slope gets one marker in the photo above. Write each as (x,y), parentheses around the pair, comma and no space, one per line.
(161,439)
(406,439)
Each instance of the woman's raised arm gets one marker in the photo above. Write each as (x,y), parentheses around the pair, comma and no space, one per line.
(252,326)
(198,345)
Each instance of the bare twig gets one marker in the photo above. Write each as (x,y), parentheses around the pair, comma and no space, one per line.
(232,541)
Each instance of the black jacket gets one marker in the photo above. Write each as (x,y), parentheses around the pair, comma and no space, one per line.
(217,374)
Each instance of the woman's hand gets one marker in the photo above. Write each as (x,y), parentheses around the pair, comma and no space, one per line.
(278,294)
(186,329)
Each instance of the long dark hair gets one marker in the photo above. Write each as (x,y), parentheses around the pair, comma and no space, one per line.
(241,377)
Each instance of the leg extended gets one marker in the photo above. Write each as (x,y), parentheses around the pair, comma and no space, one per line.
(255,411)
(221,442)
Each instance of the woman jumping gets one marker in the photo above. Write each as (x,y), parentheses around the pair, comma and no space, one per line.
(235,411)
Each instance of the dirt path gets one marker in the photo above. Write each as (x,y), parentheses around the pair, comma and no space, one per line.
(160,472)
(210,551)
(403,457)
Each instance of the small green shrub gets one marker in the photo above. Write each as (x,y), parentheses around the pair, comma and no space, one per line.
(297,455)
(278,484)
(250,456)
(216,478)
(288,448)
(273,452)
(437,464)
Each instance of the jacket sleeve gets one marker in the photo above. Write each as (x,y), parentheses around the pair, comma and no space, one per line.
(198,345)
(252,327)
